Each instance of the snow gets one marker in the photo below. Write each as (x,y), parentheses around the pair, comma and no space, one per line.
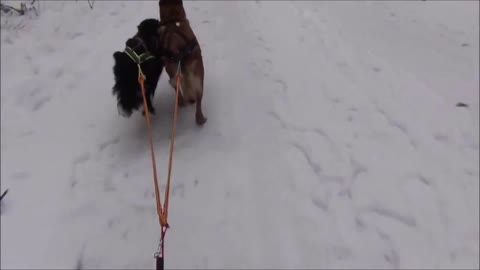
(332,141)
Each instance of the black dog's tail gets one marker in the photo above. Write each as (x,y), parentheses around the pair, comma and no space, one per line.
(126,88)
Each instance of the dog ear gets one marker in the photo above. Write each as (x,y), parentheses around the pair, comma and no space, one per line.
(131,42)
(117,55)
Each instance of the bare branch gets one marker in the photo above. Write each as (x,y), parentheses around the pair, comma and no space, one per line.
(90,3)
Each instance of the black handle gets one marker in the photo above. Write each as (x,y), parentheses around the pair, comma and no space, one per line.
(159,263)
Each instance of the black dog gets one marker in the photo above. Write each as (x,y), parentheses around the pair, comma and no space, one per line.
(127,88)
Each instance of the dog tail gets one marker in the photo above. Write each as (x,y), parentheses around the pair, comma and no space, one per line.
(126,83)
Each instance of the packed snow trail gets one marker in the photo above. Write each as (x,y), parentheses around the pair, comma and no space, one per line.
(332,140)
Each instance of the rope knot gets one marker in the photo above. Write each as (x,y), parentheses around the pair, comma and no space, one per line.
(164,222)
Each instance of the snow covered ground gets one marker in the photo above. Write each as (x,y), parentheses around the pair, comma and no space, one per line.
(332,141)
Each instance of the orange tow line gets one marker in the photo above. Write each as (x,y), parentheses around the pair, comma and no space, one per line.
(161,211)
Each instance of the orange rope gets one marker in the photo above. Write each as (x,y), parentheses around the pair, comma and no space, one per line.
(162,212)
(172,141)
(141,81)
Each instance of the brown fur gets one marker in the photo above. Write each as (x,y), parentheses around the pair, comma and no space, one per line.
(174,18)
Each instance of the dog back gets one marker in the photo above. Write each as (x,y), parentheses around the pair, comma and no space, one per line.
(173,18)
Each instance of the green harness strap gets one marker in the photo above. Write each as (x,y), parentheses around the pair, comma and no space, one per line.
(138,59)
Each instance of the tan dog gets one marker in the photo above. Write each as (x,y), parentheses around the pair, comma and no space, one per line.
(179,45)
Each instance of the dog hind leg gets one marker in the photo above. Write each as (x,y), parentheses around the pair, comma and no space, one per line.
(199,117)
(173,83)
(150,107)
(195,88)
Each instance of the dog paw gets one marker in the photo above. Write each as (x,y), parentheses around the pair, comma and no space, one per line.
(200,119)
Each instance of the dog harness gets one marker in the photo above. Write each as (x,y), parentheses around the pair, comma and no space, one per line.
(138,59)
(185,52)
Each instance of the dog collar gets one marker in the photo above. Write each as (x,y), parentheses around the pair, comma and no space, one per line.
(138,59)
